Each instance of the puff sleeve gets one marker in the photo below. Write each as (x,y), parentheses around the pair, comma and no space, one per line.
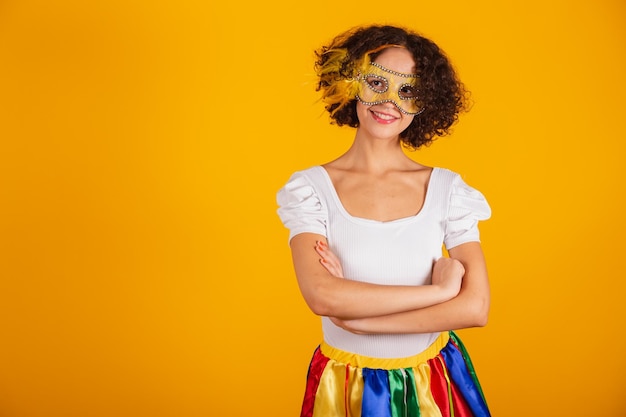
(467,206)
(300,208)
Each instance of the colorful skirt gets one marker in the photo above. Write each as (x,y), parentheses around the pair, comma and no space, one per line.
(439,382)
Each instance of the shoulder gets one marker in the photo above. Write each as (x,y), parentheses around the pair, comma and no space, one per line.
(443,181)
(446,174)
(301,185)
(464,198)
(300,207)
(451,179)
(309,174)
(451,186)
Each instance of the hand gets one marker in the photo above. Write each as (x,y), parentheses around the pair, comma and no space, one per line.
(448,275)
(328,259)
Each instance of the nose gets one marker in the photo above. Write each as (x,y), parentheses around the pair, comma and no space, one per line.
(390,105)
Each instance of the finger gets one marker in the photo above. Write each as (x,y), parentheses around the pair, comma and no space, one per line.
(323,251)
(325,265)
(329,267)
(320,249)
(329,260)
(330,255)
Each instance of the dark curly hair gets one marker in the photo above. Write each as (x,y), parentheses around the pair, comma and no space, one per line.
(443,96)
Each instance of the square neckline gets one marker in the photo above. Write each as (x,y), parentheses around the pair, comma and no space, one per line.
(342,209)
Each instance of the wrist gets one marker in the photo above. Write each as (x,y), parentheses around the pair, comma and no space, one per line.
(444,293)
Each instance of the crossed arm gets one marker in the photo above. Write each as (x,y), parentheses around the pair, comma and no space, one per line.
(457,298)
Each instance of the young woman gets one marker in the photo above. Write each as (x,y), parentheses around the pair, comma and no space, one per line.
(367,231)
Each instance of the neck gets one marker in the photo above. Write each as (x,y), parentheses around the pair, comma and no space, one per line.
(376,155)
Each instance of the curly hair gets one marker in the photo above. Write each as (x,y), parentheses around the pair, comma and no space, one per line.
(442,95)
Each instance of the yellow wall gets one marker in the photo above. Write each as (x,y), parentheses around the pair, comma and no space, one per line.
(144,272)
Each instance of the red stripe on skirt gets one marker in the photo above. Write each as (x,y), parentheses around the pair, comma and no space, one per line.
(318,363)
(439,390)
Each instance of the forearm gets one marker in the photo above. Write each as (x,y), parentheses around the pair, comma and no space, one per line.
(328,295)
(348,299)
(464,311)
(470,308)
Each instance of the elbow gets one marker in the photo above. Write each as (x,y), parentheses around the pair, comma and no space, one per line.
(319,307)
(322,302)
(476,311)
(480,312)
(327,306)
(323,308)
(481,319)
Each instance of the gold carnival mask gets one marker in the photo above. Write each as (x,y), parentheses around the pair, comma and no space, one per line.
(382,85)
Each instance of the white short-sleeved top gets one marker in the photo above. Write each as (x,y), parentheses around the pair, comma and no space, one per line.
(398,252)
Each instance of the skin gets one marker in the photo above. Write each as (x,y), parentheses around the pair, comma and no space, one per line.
(376,180)
(469,308)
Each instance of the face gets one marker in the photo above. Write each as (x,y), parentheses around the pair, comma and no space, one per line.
(382,85)
(387,101)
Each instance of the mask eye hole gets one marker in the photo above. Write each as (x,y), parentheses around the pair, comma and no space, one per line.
(377,83)
(408,91)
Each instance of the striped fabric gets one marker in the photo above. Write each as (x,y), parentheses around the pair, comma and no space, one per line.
(439,382)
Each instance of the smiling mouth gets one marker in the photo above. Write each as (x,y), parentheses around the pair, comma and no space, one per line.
(384,116)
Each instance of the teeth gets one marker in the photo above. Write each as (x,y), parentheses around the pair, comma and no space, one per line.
(383,116)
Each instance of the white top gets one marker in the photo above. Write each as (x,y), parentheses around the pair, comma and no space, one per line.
(398,252)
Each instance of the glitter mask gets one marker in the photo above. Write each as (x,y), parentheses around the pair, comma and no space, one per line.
(382,85)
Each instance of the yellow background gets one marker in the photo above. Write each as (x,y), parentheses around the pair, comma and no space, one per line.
(143,269)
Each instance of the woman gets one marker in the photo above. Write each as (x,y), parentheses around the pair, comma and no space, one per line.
(366,235)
